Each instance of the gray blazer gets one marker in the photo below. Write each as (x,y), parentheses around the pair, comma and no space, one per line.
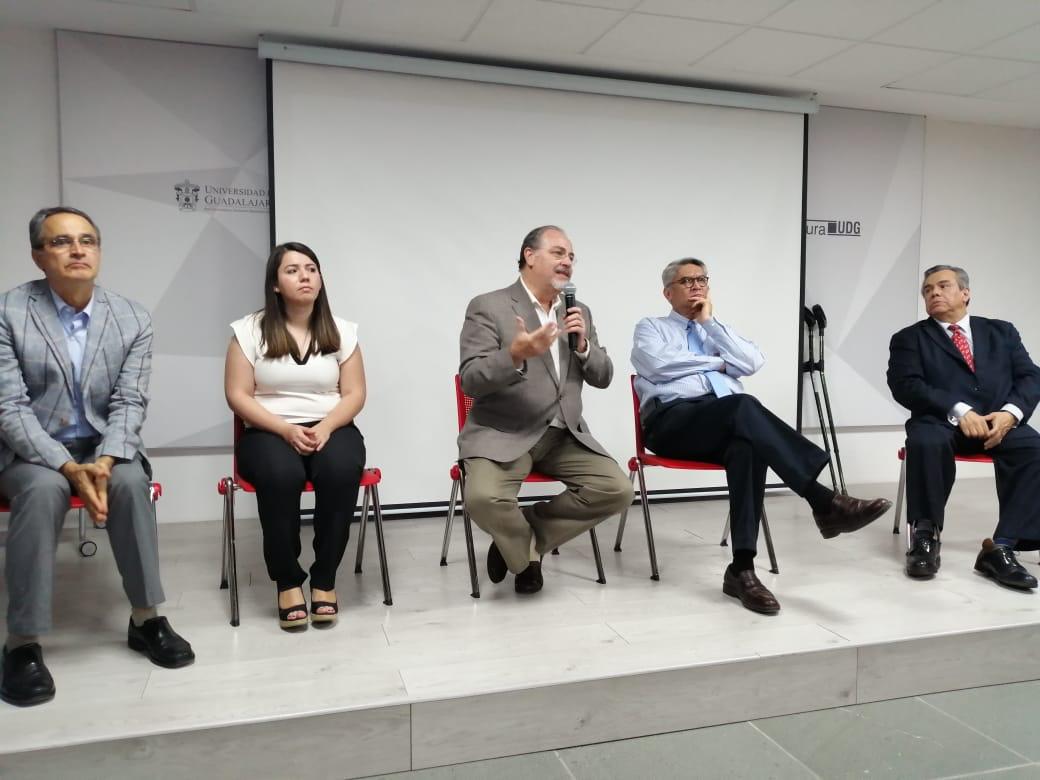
(36,380)
(512,410)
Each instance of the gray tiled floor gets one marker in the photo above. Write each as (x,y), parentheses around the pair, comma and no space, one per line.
(982,732)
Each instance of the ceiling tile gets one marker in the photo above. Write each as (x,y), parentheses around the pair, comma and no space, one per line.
(1024,45)
(521,25)
(662,39)
(617,5)
(443,20)
(773,52)
(962,25)
(873,65)
(843,18)
(176,5)
(967,75)
(1020,90)
(316,12)
(743,12)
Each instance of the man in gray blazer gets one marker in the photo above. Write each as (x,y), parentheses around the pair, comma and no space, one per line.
(526,383)
(74,367)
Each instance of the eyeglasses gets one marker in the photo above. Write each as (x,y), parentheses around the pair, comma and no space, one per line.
(86,241)
(692,281)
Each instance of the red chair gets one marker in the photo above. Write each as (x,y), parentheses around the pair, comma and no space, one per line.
(88,547)
(370,479)
(902,488)
(644,459)
(463,404)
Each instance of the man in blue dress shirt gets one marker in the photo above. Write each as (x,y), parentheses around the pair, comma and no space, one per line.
(694,407)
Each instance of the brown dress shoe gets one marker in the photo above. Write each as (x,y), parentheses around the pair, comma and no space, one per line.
(746,586)
(847,514)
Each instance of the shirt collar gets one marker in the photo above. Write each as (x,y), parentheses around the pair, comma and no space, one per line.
(535,301)
(962,324)
(59,304)
(679,319)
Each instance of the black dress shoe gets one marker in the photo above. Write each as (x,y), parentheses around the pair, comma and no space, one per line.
(847,514)
(26,678)
(923,559)
(496,564)
(156,639)
(999,563)
(746,586)
(530,579)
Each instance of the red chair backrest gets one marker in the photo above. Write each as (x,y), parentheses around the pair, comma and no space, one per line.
(463,402)
(640,449)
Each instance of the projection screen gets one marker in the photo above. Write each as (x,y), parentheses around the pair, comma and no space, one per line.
(416,191)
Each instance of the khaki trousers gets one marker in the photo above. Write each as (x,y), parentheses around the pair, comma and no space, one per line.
(596,489)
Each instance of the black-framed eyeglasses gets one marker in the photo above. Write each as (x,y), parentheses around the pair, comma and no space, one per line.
(692,281)
(86,241)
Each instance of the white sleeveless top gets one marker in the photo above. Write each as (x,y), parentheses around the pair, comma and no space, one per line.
(296,393)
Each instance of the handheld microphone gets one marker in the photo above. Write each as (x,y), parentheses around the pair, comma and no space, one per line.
(569,291)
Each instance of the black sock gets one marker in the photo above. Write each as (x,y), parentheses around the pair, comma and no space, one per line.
(923,530)
(743,560)
(819,497)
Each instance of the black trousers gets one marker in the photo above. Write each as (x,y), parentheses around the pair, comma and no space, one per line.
(931,470)
(279,473)
(737,432)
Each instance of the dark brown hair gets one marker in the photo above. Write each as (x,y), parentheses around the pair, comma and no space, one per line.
(274,336)
(533,240)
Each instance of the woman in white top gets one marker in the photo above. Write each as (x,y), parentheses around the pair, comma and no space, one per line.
(294,374)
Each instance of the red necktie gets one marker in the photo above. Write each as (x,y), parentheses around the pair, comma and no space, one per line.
(961,342)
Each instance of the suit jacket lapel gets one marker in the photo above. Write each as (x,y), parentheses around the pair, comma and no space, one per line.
(524,308)
(980,347)
(945,343)
(45,316)
(95,330)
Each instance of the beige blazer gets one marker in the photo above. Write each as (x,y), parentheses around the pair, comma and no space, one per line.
(512,409)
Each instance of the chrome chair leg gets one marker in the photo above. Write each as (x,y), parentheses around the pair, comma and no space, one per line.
(362,525)
(232,565)
(449,521)
(769,543)
(377,510)
(87,547)
(725,533)
(899,496)
(624,516)
(654,574)
(467,526)
(601,578)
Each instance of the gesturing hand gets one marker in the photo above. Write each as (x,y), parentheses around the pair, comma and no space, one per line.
(528,345)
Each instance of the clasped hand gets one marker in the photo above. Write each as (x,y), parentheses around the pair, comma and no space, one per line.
(304,440)
(992,427)
(89,481)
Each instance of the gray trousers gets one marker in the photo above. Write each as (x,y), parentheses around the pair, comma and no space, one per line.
(39,498)
(596,489)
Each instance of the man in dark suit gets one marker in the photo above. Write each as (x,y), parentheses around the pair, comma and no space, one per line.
(693,406)
(74,366)
(970,387)
(526,384)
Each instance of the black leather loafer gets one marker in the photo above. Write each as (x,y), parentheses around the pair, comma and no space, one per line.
(923,560)
(530,579)
(156,639)
(999,563)
(27,681)
(496,564)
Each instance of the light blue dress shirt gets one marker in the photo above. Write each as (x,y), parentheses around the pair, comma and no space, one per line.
(668,369)
(75,324)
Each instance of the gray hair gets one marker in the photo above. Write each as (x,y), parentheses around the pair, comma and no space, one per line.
(533,240)
(41,216)
(670,270)
(962,275)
